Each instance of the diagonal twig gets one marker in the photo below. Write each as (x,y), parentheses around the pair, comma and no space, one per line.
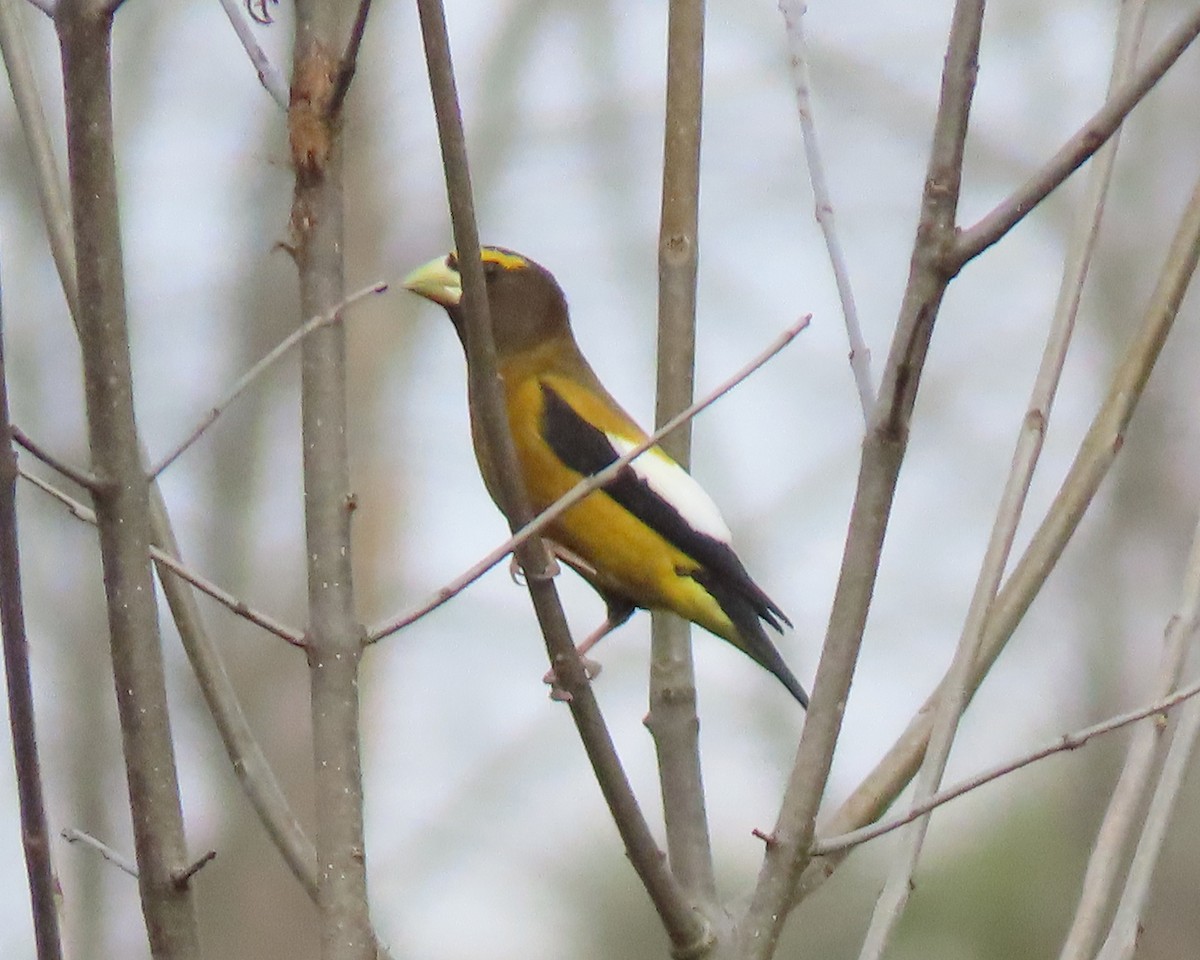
(1181,640)
(957,688)
(204,585)
(1091,136)
(293,338)
(118,860)
(86,480)
(1127,923)
(1068,741)
(268,74)
(47,177)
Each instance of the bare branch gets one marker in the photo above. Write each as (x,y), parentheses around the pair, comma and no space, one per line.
(883,454)
(1074,152)
(672,719)
(1095,456)
(316,323)
(1127,924)
(246,758)
(335,638)
(1126,802)
(268,74)
(122,501)
(583,488)
(35,834)
(860,354)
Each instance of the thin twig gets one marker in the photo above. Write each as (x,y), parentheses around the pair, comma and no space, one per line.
(860,354)
(71,835)
(957,87)
(269,75)
(1091,136)
(184,877)
(223,597)
(583,488)
(1068,741)
(35,834)
(86,480)
(293,338)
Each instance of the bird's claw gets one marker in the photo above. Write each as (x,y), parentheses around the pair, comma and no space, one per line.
(560,694)
(517,572)
(591,670)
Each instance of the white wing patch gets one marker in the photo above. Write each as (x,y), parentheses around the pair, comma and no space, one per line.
(677,487)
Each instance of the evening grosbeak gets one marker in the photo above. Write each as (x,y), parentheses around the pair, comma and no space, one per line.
(649,538)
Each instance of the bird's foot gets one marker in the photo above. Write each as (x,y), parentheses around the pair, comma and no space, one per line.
(591,670)
(517,572)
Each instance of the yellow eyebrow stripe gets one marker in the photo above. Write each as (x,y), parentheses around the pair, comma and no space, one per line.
(508,261)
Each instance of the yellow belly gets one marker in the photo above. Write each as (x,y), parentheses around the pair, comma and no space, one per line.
(629,558)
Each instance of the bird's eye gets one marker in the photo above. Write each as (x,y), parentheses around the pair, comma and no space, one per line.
(452,261)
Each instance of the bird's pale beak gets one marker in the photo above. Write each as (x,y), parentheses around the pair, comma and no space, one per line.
(436,281)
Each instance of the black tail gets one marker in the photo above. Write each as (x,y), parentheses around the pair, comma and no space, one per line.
(747,609)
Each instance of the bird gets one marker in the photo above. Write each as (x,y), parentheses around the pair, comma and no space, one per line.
(651,538)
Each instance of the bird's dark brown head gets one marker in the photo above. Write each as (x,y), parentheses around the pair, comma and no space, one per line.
(526,303)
